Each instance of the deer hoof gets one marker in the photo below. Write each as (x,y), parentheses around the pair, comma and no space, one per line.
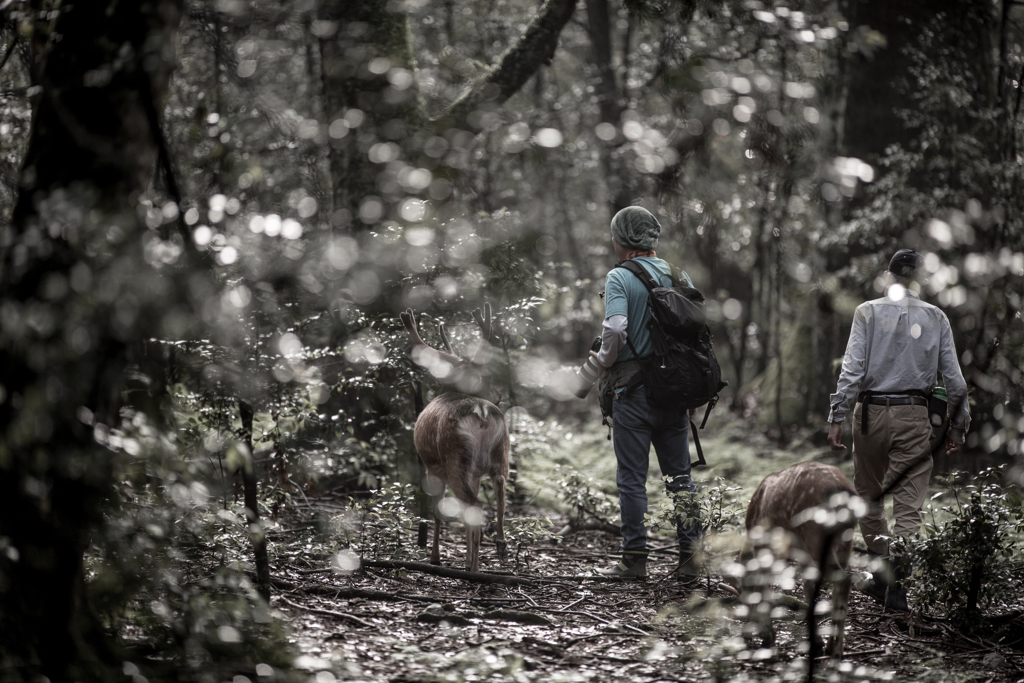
(421,539)
(502,551)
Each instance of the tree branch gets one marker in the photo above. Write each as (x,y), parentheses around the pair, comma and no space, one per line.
(10,51)
(449,573)
(517,65)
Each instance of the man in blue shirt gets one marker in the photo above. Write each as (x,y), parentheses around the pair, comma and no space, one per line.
(636,424)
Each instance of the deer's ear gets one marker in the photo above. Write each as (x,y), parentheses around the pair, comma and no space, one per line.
(444,339)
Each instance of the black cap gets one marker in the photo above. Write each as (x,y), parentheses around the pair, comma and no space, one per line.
(905,263)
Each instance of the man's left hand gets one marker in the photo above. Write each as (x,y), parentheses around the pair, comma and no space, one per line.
(952,446)
(835,436)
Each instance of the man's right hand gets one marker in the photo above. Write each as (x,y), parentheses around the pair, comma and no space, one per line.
(835,436)
(952,446)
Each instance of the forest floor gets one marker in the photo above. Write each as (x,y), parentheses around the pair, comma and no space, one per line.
(561,623)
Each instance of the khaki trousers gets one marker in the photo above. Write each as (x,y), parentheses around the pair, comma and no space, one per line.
(897,439)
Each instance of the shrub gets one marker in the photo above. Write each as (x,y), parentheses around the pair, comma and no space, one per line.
(964,563)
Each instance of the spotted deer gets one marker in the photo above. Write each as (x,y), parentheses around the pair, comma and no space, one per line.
(815,506)
(460,437)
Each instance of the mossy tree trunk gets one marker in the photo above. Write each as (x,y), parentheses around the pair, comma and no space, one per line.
(369,42)
(78,297)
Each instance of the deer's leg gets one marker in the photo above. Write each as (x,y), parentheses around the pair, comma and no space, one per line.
(759,621)
(840,601)
(813,609)
(434,487)
(499,493)
(841,582)
(465,489)
(473,543)
(435,550)
(473,517)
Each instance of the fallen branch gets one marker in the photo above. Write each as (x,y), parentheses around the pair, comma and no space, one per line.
(602,620)
(463,618)
(451,619)
(330,613)
(586,577)
(517,616)
(349,593)
(599,635)
(478,577)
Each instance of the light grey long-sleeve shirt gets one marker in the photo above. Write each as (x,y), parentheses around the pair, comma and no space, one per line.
(901,346)
(613,338)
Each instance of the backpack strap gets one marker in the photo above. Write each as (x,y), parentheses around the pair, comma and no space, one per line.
(638,378)
(640,272)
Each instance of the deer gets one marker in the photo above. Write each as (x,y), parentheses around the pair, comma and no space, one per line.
(460,437)
(815,507)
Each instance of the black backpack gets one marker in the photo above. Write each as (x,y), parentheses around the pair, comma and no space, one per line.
(683,370)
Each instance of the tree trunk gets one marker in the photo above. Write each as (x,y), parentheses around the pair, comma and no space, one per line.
(609,95)
(252,509)
(73,260)
(370,40)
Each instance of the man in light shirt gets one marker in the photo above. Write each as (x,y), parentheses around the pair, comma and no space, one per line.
(898,346)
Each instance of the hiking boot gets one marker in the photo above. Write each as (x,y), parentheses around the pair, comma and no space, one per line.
(885,587)
(881,578)
(873,588)
(689,568)
(632,566)
(896,598)
(890,596)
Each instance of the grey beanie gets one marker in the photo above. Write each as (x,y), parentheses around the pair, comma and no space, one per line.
(636,228)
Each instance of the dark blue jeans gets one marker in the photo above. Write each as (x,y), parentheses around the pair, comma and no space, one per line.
(636,427)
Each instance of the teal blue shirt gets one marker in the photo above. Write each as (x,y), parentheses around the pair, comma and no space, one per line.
(625,294)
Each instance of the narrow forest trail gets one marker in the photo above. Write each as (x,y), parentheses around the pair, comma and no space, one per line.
(563,624)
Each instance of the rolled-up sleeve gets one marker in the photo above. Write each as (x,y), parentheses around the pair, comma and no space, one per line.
(956,387)
(854,364)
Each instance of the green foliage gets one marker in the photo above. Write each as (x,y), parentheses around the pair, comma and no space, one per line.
(584,498)
(524,532)
(969,560)
(216,624)
(715,507)
(382,526)
(170,568)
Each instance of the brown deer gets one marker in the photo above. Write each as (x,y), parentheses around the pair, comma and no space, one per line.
(462,438)
(816,506)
